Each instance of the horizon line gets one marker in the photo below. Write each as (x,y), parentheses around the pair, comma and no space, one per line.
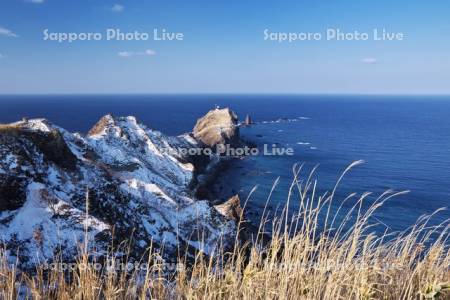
(227,93)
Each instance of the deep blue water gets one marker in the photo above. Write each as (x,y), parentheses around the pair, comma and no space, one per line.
(405,141)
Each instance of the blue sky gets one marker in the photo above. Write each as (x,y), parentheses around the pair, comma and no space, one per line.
(224,50)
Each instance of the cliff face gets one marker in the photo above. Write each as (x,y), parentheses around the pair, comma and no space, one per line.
(136,180)
(218,127)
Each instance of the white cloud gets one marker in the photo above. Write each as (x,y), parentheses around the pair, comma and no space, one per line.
(149,52)
(1,56)
(369,60)
(6,32)
(117,8)
(36,1)
(126,54)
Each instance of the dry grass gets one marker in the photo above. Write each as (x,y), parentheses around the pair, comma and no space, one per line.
(306,259)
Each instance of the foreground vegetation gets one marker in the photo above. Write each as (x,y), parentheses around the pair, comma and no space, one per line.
(316,253)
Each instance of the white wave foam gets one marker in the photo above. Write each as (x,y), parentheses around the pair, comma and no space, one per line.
(283,120)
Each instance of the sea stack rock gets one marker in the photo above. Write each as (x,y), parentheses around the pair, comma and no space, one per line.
(218,127)
(248,121)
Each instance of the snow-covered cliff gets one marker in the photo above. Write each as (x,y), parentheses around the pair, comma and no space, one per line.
(136,181)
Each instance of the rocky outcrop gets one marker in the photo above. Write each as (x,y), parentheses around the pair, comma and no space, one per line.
(231,209)
(136,181)
(218,127)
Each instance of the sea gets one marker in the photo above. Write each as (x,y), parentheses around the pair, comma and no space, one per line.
(404,142)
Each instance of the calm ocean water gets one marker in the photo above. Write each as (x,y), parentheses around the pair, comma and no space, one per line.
(405,141)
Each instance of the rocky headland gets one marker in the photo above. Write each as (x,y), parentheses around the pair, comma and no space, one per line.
(121,181)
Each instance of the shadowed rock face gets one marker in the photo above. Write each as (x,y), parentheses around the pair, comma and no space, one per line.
(218,127)
(12,192)
(49,142)
(137,182)
(18,141)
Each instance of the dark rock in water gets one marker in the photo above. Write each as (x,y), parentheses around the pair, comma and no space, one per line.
(218,127)
(248,121)
(231,209)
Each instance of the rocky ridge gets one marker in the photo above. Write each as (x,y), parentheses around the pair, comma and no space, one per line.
(132,181)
